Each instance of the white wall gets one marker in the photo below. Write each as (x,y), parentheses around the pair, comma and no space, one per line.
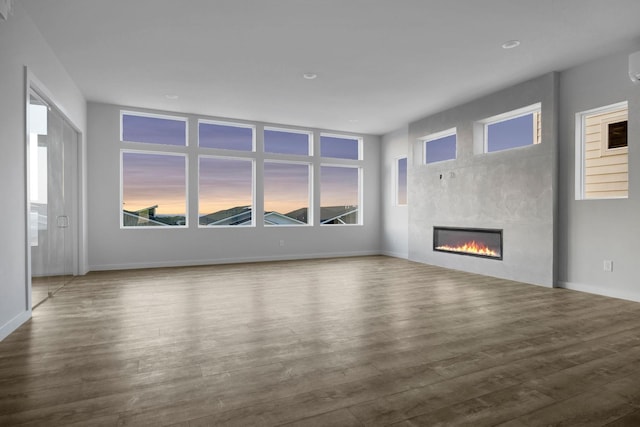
(113,248)
(591,231)
(395,229)
(513,190)
(22,45)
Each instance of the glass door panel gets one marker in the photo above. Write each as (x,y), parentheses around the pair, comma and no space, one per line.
(50,138)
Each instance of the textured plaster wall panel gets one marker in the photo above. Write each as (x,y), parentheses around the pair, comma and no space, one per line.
(512,190)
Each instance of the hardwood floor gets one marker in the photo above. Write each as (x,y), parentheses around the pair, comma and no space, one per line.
(41,287)
(333,342)
(39,290)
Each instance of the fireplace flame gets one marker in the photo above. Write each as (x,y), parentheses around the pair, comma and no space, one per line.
(471,247)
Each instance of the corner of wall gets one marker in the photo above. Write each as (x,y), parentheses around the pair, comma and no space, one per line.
(394,222)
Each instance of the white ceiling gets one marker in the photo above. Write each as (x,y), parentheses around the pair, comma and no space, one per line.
(380,63)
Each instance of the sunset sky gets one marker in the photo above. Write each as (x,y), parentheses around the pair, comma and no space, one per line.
(286,186)
(154,130)
(216,135)
(441,149)
(517,132)
(160,179)
(154,179)
(338,186)
(224,183)
(512,133)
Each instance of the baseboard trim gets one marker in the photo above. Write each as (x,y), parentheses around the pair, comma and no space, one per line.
(187,263)
(13,324)
(393,254)
(597,290)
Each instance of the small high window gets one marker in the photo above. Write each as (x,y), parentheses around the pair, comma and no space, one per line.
(340,147)
(514,129)
(440,146)
(280,141)
(153,129)
(601,147)
(226,136)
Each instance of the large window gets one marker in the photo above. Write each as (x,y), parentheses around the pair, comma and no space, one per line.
(286,193)
(154,191)
(233,170)
(514,129)
(225,183)
(340,180)
(440,146)
(225,191)
(602,152)
(154,181)
(339,195)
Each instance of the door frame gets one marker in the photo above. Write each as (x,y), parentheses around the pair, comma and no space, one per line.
(78,199)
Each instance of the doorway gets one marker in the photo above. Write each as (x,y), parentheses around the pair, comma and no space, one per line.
(52,188)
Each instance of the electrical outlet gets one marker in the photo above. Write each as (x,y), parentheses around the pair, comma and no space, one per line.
(608,265)
(281,243)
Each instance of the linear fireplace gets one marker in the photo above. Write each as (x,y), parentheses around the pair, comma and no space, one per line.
(480,242)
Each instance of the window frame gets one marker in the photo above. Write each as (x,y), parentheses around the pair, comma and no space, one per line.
(396,174)
(153,148)
(192,152)
(605,149)
(506,116)
(155,116)
(434,137)
(580,149)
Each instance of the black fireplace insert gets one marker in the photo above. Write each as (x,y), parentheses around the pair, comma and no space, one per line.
(479,242)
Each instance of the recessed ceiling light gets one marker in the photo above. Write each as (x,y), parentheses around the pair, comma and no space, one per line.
(310,76)
(171,96)
(511,44)
(353,120)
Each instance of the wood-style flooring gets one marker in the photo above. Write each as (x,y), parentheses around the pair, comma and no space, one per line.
(39,290)
(331,342)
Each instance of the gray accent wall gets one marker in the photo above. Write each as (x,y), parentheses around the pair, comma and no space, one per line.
(22,45)
(512,190)
(111,247)
(591,231)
